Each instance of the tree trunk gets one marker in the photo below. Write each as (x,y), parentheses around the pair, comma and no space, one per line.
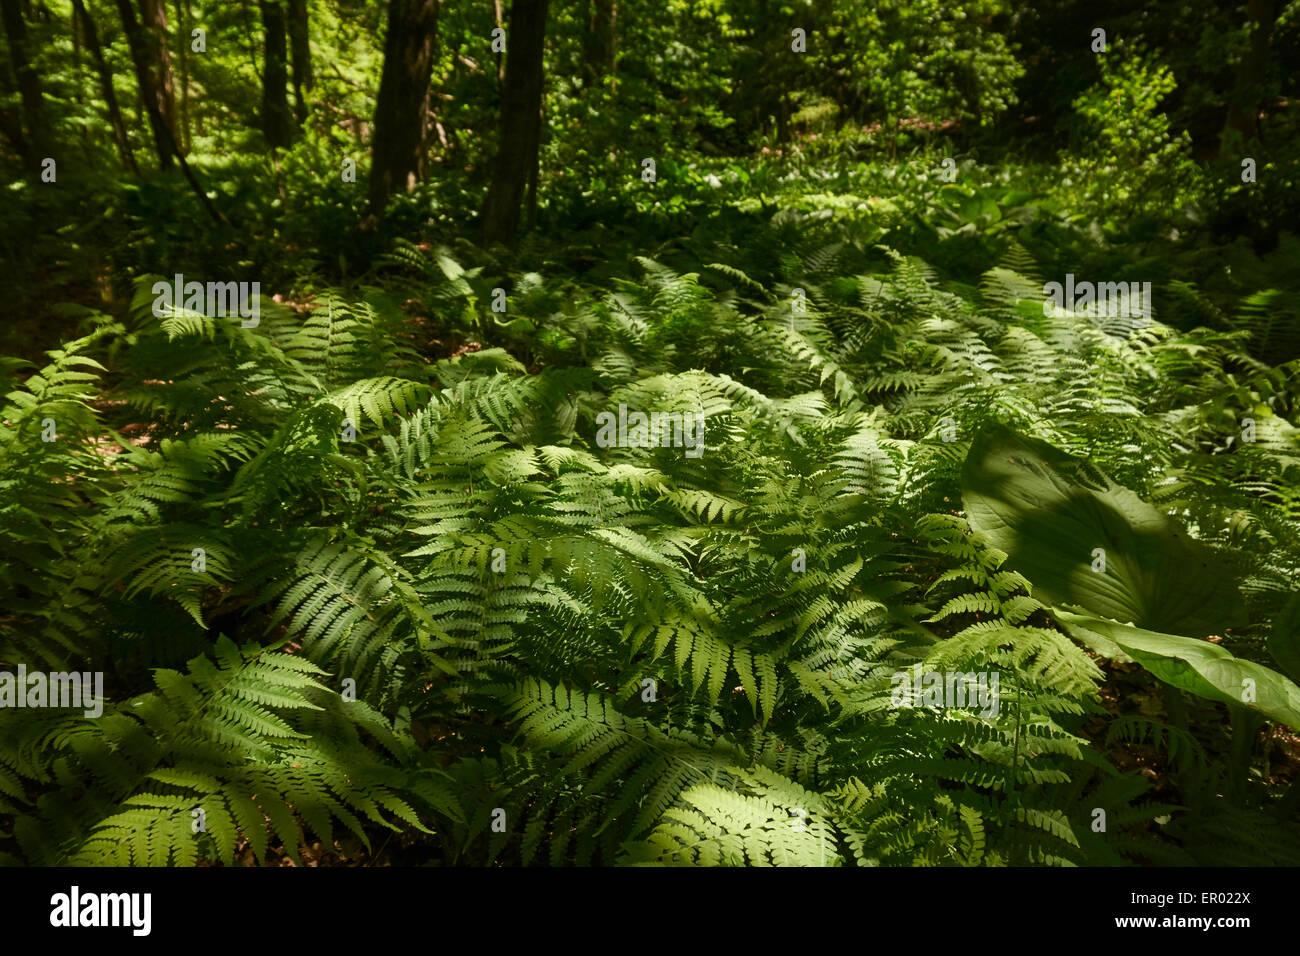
(521,121)
(183,31)
(499,18)
(300,56)
(11,125)
(397,155)
(29,85)
(154,20)
(164,134)
(600,44)
(91,36)
(1243,109)
(277,123)
(150,94)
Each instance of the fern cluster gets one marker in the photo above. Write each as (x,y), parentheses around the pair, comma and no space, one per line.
(336,585)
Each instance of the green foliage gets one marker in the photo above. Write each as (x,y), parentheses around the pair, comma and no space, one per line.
(1195,666)
(368,579)
(636,655)
(245,746)
(1122,128)
(1087,541)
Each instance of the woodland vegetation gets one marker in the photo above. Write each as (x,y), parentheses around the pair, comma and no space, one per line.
(336,333)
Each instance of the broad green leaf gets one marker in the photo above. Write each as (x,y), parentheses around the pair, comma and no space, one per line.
(1200,667)
(1055,516)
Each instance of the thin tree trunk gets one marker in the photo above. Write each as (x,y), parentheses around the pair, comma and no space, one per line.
(300,57)
(1243,109)
(521,121)
(164,135)
(182,29)
(91,35)
(29,84)
(499,15)
(397,159)
(154,20)
(277,123)
(150,95)
(11,125)
(599,46)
